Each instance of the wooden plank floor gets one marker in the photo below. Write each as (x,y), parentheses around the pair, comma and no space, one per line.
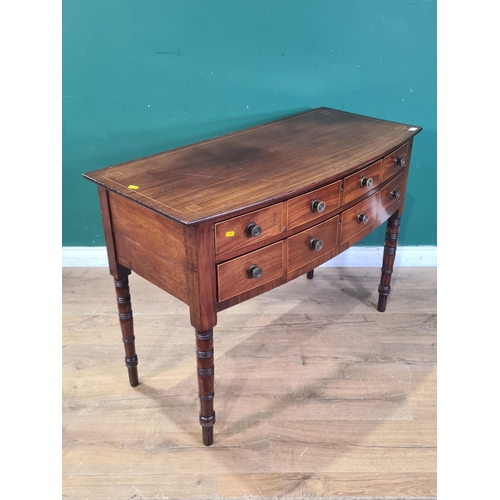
(317,393)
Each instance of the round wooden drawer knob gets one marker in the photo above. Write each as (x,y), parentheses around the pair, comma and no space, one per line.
(253,230)
(395,195)
(254,271)
(315,244)
(399,161)
(362,219)
(318,206)
(366,182)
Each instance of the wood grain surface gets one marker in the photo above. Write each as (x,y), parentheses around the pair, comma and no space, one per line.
(392,164)
(259,165)
(351,226)
(233,278)
(232,234)
(317,393)
(299,208)
(353,188)
(299,246)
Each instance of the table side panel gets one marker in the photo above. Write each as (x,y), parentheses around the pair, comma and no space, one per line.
(163,273)
(151,230)
(150,244)
(108,230)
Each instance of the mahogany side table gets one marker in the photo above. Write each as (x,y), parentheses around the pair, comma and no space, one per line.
(220,221)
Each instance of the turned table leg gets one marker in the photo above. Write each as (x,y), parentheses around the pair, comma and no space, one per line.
(205,369)
(391,241)
(127,326)
(310,275)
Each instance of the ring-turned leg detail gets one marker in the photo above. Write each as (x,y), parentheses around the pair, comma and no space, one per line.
(391,242)
(127,326)
(205,369)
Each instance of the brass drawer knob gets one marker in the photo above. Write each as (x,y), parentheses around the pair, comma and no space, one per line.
(254,271)
(253,230)
(395,195)
(399,161)
(366,182)
(318,206)
(362,218)
(315,244)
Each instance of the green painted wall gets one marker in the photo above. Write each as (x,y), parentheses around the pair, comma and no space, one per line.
(143,77)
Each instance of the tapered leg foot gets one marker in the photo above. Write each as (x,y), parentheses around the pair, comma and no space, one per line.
(205,370)
(127,326)
(391,241)
(208,435)
(310,275)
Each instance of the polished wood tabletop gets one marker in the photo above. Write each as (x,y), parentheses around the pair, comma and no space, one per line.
(247,169)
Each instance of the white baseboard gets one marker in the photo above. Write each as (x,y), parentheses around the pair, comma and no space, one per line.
(84,257)
(406,256)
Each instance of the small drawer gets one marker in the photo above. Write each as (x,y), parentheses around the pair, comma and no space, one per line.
(310,244)
(390,196)
(361,182)
(358,218)
(396,161)
(243,231)
(312,205)
(250,271)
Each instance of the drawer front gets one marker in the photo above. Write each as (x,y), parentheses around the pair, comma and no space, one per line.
(396,161)
(310,244)
(240,232)
(354,221)
(239,275)
(309,206)
(390,196)
(361,182)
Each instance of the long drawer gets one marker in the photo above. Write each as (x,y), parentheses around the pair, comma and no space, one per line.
(396,161)
(359,183)
(250,271)
(359,217)
(312,205)
(389,196)
(312,243)
(243,231)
